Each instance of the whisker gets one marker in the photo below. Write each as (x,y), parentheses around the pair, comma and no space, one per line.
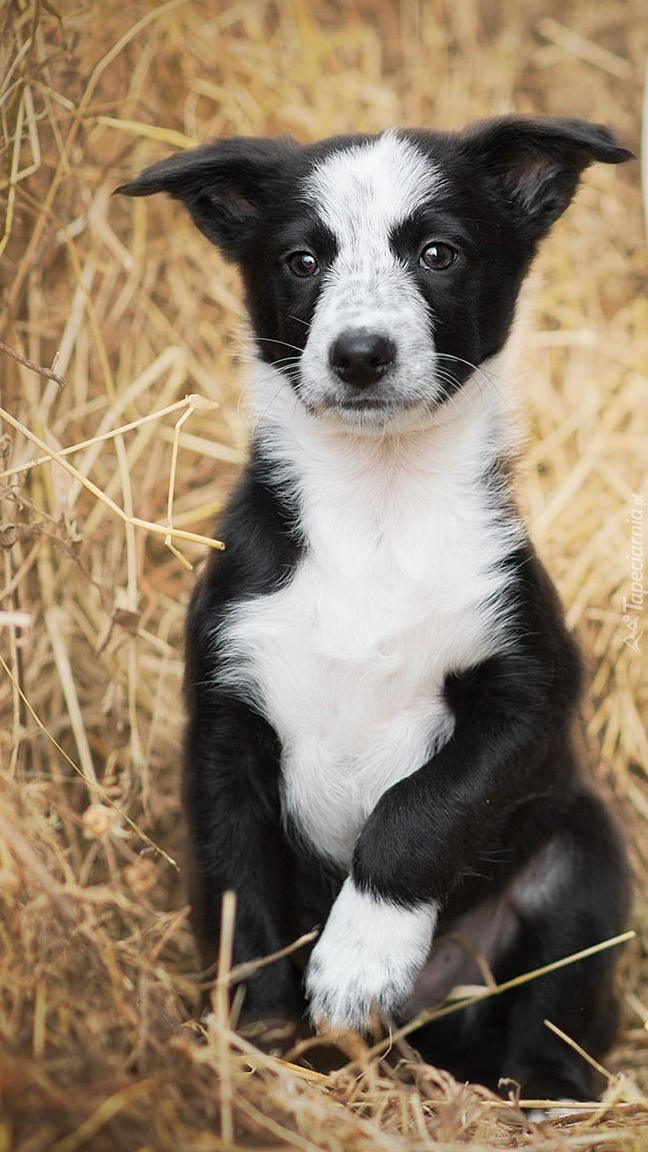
(284,361)
(493,378)
(262,415)
(306,323)
(284,343)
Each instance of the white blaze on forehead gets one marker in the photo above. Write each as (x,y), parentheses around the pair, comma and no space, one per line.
(363,191)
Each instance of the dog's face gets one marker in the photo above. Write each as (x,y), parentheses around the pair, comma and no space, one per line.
(381,272)
(371,277)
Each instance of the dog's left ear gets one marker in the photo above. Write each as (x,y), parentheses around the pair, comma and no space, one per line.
(225,185)
(534,164)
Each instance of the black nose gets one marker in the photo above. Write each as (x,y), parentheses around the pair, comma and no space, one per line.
(360,356)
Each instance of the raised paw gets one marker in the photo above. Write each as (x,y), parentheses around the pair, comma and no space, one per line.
(367,959)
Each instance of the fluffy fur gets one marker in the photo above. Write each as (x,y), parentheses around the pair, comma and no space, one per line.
(380,686)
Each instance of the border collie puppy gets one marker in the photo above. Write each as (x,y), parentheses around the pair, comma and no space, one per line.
(380,685)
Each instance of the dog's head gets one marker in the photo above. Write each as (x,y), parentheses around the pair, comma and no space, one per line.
(381,271)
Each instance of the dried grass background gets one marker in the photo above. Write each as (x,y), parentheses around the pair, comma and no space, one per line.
(131,312)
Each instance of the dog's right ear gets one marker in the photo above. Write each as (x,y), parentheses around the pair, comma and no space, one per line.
(225,185)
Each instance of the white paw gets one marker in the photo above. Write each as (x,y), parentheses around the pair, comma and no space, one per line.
(367,958)
(555,1111)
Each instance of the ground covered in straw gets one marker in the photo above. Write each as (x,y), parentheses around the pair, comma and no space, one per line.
(121,417)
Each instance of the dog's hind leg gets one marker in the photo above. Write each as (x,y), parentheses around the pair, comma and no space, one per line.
(571,895)
(577,899)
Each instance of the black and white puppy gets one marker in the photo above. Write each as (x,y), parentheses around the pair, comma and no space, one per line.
(380,686)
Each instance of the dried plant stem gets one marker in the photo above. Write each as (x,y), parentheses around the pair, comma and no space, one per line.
(49,373)
(581,1052)
(222,1014)
(135,521)
(172,479)
(103,437)
(102,1115)
(105,798)
(64,163)
(244,971)
(54,620)
(430,1014)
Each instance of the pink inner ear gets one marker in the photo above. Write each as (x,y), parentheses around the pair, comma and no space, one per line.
(539,183)
(234,199)
(529,168)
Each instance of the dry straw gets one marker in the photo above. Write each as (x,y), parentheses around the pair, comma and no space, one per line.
(121,435)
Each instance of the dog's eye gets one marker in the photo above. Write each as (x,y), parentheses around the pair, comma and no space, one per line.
(303,264)
(438,257)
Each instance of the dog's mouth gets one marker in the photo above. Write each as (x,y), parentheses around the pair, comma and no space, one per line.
(376,413)
(369,404)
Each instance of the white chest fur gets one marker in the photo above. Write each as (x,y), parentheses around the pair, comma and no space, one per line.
(396,588)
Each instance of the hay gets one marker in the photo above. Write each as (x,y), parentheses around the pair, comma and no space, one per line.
(113,313)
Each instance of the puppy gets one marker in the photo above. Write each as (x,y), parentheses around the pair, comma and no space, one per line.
(380,686)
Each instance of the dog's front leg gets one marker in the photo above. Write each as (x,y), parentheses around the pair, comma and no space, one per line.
(427,832)
(237,843)
(368,957)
